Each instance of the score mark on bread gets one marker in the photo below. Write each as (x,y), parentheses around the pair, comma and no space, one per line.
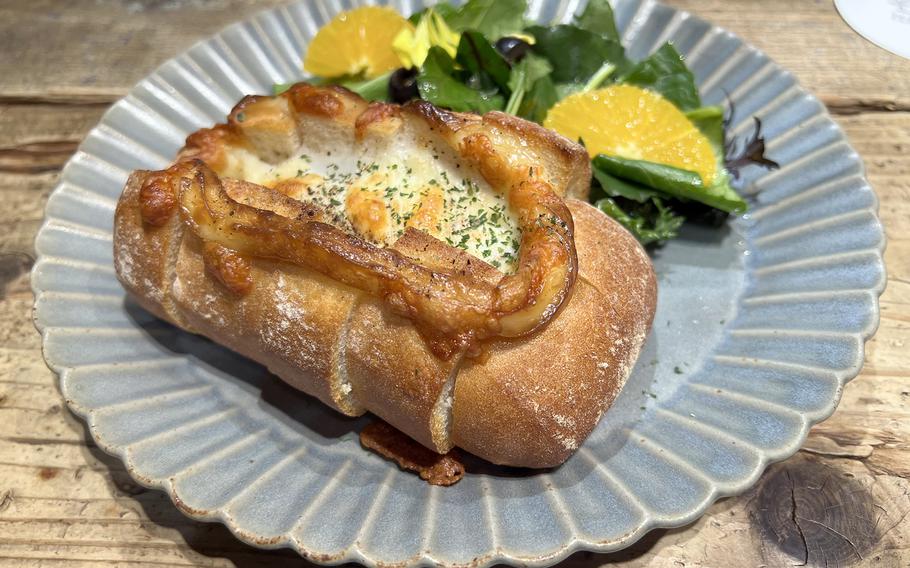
(369,253)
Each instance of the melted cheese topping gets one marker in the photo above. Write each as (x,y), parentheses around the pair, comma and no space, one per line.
(384,190)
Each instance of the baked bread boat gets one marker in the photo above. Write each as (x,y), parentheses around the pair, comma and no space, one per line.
(438,269)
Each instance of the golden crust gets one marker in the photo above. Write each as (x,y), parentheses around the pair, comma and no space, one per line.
(211,144)
(564,165)
(334,102)
(565,160)
(379,118)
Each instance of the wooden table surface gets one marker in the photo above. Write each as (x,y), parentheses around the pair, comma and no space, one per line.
(843,500)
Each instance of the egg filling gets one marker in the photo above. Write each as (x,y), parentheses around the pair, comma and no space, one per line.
(378,191)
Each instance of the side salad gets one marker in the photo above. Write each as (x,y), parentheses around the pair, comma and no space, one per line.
(659,156)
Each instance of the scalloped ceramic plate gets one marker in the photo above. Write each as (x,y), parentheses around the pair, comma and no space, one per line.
(758,327)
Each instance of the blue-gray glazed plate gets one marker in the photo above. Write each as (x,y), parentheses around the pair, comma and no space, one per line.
(758,327)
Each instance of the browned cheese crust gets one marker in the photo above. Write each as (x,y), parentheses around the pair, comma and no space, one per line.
(435,469)
(522,401)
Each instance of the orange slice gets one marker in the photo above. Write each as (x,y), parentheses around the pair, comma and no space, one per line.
(356,41)
(636,124)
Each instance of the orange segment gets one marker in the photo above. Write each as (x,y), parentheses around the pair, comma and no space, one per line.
(356,41)
(634,123)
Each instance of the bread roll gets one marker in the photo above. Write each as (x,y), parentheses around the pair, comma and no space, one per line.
(526,401)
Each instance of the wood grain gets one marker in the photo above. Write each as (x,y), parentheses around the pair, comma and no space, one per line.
(843,500)
(92,52)
(808,38)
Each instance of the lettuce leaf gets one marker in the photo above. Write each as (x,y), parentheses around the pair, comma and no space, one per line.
(666,73)
(538,101)
(493,18)
(438,85)
(575,53)
(522,80)
(710,121)
(444,9)
(617,187)
(598,17)
(674,182)
(478,56)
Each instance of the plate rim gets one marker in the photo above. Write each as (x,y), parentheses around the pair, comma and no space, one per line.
(575,543)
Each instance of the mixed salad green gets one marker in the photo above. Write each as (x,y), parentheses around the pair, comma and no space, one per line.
(484,55)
